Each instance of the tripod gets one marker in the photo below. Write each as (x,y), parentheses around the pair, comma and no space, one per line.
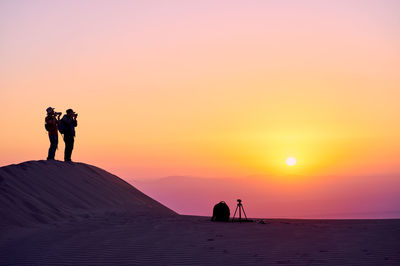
(240,207)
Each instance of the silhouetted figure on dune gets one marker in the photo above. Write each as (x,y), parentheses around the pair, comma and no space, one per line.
(67,127)
(51,122)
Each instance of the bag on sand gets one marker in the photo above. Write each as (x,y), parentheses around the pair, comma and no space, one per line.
(221,212)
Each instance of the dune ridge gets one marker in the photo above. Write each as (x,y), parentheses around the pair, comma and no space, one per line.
(43,192)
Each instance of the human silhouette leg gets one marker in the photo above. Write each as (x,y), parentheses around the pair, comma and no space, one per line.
(53,147)
(69,146)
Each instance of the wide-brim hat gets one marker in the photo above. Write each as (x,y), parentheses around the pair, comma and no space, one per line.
(49,110)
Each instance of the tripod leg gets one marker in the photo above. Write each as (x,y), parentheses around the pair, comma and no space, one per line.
(233,218)
(244,213)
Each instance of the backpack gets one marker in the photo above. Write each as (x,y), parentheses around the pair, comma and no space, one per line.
(221,212)
(47,126)
(61,127)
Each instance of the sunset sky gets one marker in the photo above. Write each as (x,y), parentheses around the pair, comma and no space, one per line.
(206,88)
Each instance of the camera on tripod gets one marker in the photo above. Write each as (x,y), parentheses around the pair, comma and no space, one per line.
(241,209)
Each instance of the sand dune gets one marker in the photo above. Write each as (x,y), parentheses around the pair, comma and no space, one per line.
(55,213)
(49,191)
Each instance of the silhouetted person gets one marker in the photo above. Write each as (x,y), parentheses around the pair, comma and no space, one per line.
(67,127)
(51,122)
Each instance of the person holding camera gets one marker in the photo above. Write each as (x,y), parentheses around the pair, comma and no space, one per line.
(68,124)
(51,122)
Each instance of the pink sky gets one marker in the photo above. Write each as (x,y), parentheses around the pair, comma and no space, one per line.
(206,88)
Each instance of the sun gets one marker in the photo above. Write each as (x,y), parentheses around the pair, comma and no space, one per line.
(291,161)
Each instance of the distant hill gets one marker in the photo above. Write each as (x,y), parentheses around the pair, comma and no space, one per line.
(50,191)
(320,197)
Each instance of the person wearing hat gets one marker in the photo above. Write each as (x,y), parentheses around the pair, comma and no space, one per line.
(51,121)
(69,123)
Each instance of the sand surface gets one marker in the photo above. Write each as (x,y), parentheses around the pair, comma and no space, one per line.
(54,213)
(197,241)
(47,192)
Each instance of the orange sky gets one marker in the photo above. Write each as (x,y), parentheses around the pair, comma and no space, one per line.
(223,89)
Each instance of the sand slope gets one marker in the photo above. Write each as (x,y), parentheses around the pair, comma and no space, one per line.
(50,191)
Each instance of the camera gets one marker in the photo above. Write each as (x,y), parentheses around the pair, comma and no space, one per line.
(239,200)
(57,113)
